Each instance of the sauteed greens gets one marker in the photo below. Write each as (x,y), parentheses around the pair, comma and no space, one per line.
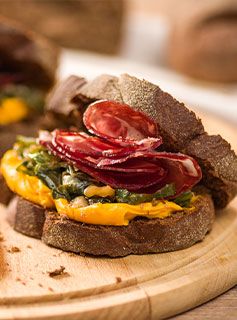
(68,182)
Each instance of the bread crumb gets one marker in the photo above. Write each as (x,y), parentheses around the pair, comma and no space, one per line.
(40,285)
(1,237)
(31,278)
(18,279)
(28,246)
(118,279)
(50,289)
(58,272)
(71,254)
(13,249)
(82,254)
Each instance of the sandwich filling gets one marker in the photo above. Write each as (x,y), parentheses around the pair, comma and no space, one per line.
(17,102)
(109,175)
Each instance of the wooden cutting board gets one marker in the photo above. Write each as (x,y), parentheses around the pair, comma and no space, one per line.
(135,287)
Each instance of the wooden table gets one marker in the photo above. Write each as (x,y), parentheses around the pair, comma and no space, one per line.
(223,307)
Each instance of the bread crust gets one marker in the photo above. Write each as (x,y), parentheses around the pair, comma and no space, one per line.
(141,236)
(29,53)
(5,193)
(211,24)
(179,127)
(29,218)
(219,166)
(181,130)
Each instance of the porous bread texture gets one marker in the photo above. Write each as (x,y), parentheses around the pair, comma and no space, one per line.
(141,236)
(179,127)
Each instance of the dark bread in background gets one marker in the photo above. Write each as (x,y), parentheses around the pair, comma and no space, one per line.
(180,129)
(141,236)
(24,51)
(203,40)
(82,24)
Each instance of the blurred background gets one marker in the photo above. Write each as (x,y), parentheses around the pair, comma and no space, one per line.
(187,47)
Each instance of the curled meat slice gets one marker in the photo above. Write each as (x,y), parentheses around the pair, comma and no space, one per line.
(121,124)
(141,172)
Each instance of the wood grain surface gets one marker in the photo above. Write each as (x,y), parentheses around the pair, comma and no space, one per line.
(139,287)
(223,307)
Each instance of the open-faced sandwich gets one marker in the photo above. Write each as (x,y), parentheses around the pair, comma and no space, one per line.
(27,71)
(139,175)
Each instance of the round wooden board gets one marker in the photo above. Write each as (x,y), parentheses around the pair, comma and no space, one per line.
(136,287)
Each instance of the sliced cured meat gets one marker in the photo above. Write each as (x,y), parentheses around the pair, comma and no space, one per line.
(118,155)
(121,124)
(143,172)
(81,142)
(131,181)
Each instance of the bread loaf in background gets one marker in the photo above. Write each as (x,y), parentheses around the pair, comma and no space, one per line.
(35,59)
(203,40)
(24,51)
(91,25)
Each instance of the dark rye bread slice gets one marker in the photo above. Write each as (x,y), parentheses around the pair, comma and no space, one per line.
(64,109)
(141,236)
(5,193)
(219,166)
(28,218)
(25,52)
(177,124)
(181,130)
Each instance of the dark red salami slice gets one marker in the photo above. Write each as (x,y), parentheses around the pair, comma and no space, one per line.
(122,155)
(85,144)
(80,142)
(129,180)
(142,172)
(71,150)
(121,125)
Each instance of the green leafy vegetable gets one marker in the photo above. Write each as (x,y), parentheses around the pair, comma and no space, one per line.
(125,196)
(184,199)
(22,144)
(93,200)
(34,98)
(64,180)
